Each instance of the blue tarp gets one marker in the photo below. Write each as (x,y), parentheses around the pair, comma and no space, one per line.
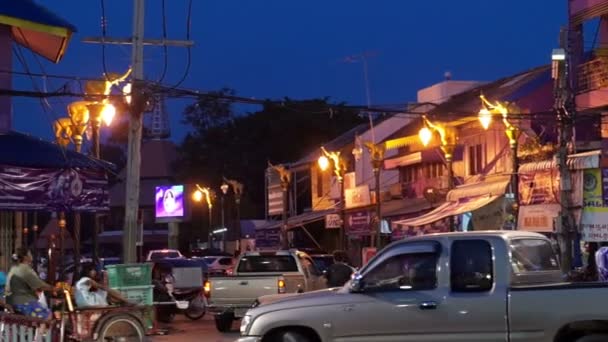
(19,149)
(30,11)
(36,28)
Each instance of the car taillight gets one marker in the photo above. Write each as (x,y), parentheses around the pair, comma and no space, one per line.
(207,288)
(281,284)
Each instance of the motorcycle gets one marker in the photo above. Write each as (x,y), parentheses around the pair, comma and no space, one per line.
(170,302)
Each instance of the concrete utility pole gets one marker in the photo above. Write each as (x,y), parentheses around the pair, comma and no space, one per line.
(565,109)
(138,105)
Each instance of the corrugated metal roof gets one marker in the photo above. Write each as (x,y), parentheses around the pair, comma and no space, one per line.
(510,89)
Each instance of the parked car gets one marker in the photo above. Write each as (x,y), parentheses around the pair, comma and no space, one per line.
(477,286)
(258,274)
(219,265)
(161,254)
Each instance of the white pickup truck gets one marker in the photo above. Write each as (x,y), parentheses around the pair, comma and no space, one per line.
(479,287)
(260,274)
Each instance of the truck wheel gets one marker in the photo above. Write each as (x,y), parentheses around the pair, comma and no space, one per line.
(290,336)
(223,322)
(593,338)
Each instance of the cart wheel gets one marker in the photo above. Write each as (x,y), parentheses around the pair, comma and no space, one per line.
(121,328)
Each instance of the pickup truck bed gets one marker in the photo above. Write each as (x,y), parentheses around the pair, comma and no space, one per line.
(242,291)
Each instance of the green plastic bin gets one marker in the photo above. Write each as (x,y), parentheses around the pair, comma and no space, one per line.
(140,295)
(127,275)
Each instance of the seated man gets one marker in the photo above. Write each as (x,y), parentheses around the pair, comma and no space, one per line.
(91,293)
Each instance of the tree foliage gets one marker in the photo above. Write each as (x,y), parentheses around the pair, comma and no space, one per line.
(222,143)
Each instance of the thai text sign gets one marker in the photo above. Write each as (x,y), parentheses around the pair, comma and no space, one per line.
(594,218)
(357,197)
(537,218)
(358,223)
(333,221)
(52,189)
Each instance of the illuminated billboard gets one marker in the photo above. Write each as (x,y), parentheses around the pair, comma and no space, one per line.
(169,203)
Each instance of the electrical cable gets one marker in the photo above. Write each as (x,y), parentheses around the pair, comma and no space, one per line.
(103,38)
(189,48)
(165,48)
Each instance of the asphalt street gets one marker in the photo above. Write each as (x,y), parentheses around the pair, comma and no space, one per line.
(203,330)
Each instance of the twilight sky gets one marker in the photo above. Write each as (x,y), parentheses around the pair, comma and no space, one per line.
(277,48)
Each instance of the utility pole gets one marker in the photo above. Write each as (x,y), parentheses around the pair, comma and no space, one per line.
(138,105)
(565,109)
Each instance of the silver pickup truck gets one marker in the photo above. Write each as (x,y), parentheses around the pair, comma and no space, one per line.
(477,286)
(260,275)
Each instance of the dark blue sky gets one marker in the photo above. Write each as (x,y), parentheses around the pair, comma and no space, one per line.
(276,48)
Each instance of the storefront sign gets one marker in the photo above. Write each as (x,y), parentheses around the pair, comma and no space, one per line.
(537,218)
(357,197)
(53,189)
(358,223)
(275,200)
(594,219)
(333,221)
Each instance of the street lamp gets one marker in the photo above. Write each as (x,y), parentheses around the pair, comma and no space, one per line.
(224,187)
(35,249)
(447,144)
(24,240)
(61,223)
(285,177)
(237,188)
(487,111)
(339,169)
(205,193)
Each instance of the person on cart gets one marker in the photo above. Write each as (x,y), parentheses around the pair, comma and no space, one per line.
(91,293)
(23,287)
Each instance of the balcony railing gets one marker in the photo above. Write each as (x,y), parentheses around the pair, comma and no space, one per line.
(593,75)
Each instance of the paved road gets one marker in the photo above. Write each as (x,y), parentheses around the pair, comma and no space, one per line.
(184,330)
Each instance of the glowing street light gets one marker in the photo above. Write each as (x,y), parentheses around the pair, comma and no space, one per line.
(485,118)
(323,163)
(425,136)
(490,109)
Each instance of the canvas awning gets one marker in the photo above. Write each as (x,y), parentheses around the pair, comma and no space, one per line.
(462,200)
(448,209)
(36,28)
(578,161)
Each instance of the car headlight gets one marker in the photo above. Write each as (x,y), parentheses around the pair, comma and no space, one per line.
(245,324)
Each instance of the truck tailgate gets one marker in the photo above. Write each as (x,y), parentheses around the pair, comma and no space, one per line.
(242,290)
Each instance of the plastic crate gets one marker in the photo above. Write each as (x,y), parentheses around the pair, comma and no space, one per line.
(126,275)
(141,295)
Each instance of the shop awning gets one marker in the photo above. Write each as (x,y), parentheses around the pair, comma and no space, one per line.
(299,220)
(36,28)
(448,209)
(491,186)
(462,200)
(578,161)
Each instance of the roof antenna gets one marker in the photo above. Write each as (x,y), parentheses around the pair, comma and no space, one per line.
(447,75)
